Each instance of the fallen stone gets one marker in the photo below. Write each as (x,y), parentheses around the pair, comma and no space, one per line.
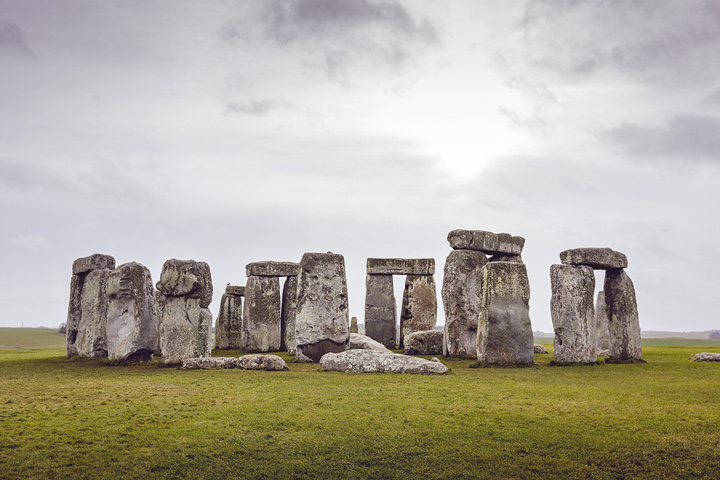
(539,348)
(428,342)
(573,313)
(209,362)
(89,326)
(597,258)
(504,331)
(186,278)
(184,330)
(380,310)
(370,361)
(132,318)
(97,261)
(461,296)
(400,266)
(271,269)
(363,342)
(228,326)
(353,325)
(322,322)
(271,363)
(486,242)
(262,312)
(602,329)
(624,323)
(235,290)
(419,306)
(706,357)
(287,315)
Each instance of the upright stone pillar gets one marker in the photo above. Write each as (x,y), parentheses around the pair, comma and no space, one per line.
(504,330)
(621,305)
(419,307)
(287,315)
(602,328)
(573,313)
(228,326)
(132,321)
(380,310)
(461,296)
(322,322)
(353,325)
(261,315)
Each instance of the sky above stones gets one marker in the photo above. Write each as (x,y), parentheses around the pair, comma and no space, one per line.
(241,131)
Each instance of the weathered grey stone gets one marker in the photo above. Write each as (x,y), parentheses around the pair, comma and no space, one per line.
(235,290)
(186,278)
(419,306)
(504,330)
(573,313)
(271,363)
(486,242)
(506,258)
(602,328)
(209,362)
(401,266)
(271,269)
(322,323)
(371,361)
(461,296)
(97,261)
(539,348)
(132,319)
(603,353)
(380,310)
(74,315)
(261,315)
(228,326)
(597,258)
(706,357)
(287,315)
(184,330)
(624,323)
(428,342)
(363,342)
(353,325)
(86,335)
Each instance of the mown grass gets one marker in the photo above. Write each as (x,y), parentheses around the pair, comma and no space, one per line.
(80,418)
(31,338)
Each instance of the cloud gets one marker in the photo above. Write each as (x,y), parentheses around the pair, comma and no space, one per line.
(12,38)
(31,242)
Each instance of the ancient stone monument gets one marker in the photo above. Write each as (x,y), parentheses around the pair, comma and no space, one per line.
(185,324)
(372,361)
(426,342)
(287,315)
(322,322)
(132,320)
(573,313)
(602,324)
(228,326)
(419,305)
(353,325)
(86,333)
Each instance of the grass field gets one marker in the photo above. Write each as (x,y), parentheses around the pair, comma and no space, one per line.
(79,418)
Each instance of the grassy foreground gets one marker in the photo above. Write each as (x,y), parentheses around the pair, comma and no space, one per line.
(79,418)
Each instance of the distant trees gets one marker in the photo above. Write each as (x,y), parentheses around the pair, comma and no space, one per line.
(714,335)
(63,327)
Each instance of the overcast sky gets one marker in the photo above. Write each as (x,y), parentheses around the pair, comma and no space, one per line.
(241,131)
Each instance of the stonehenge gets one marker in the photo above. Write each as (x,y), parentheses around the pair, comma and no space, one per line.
(426,342)
(573,313)
(372,361)
(228,326)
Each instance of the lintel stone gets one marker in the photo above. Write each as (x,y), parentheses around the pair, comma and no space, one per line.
(401,266)
(486,242)
(597,258)
(96,261)
(235,290)
(271,269)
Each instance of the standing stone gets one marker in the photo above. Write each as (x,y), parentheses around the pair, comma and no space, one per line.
(353,325)
(573,313)
(602,328)
(185,323)
(261,315)
(132,321)
(504,330)
(461,296)
(74,317)
(322,319)
(287,315)
(228,326)
(622,313)
(380,310)
(419,305)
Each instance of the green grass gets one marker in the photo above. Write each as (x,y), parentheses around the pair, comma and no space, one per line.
(79,418)
(31,338)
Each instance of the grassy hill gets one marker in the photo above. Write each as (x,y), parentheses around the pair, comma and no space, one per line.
(31,338)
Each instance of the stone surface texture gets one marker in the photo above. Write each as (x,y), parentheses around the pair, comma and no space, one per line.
(573,313)
(353,325)
(363,342)
(86,333)
(287,315)
(271,269)
(504,330)
(419,305)
(370,361)
(486,242)
(597,258)
(400,266)
(461,296)
(624,322)
(228,326)
(428,342)
(539,348)
(246,362)
(235,290)
(132,319)
(322,322)
(602,327)
(706,357)
(506,258)
(97,261)
(380,310)
(262,311)
(186,278)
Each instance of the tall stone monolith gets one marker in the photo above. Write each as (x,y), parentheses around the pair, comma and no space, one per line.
(380,310)
(287,315)
(419,305)
(261,315)
(228,326)
(624,322)
(573,313)
(602,328)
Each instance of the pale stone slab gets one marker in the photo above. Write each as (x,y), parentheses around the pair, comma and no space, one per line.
(261,315)
(186,278)
(322,322)
(90,336)
(419,306)
(287,315)
(235,290)
(597,258)
(602,328)
(246,362)
(132,320)
(380,310)
(401,266)
(504,329)
(185,328)
(486,242)
(573,313)
(363,342)
(706,357)
(428,342)
(271,269)
(228,326)
(461,296)
(624,322)
(370,361)
(97,261)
